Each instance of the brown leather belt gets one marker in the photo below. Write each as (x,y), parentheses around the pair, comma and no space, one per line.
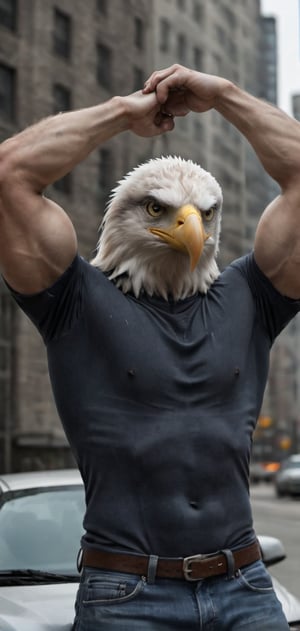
(191,568)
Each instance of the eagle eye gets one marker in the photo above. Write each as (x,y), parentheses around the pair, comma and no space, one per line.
(209,214)
(154,208)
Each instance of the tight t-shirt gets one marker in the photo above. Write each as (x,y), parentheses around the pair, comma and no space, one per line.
(159,400)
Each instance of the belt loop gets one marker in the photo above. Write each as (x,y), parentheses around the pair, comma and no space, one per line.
(152,567)
(79,560)
(230,562)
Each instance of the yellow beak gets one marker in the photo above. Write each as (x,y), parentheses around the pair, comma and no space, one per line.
(187,234)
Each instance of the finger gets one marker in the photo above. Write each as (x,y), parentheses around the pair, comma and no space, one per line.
(164,121)
(160,116)
(176,104)
(158,76)
(167,124)
(180,110)
(171,84)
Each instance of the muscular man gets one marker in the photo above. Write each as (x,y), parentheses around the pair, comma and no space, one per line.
(158,363)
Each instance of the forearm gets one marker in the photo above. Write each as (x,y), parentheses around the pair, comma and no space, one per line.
(274,136)
(51,148)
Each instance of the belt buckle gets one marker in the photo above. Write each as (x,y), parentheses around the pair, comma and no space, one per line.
(187,561)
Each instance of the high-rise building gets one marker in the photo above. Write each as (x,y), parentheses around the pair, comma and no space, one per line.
(296,106)
(268,67)
(61,55)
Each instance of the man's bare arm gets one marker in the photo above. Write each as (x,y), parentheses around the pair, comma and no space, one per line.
(275,138)
(37,238)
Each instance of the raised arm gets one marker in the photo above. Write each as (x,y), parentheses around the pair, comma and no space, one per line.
(275,138)
(37,238)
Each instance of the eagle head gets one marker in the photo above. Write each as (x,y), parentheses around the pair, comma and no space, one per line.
(160,232)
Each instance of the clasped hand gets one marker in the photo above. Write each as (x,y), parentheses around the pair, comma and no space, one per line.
(177,91)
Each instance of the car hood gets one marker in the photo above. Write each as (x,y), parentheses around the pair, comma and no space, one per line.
(290,474)
(290,603)
(37,607)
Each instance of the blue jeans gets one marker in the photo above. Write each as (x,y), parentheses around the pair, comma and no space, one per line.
(115,601)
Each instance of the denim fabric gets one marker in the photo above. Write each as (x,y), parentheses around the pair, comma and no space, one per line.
(113,601)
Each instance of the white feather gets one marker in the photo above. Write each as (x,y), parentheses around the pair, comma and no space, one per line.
(137,260)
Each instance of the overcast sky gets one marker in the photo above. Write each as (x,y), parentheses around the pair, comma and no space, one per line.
(287,14)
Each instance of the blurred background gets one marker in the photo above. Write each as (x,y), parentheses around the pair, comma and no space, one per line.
(57,55)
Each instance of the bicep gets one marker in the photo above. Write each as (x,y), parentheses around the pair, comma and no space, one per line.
(277,244)
(37,243)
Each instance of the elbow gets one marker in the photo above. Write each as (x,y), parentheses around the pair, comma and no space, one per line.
(11,172)
(3,162)
(7,163)
(4,176)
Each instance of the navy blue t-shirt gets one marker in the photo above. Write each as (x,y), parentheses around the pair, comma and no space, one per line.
(159,400)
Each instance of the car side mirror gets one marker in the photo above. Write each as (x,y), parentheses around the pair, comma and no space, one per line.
(272,550)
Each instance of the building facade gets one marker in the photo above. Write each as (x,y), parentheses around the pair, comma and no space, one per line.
(57,55)
(296,106)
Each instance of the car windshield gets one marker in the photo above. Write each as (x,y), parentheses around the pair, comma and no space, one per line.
(41,529)
(291,465)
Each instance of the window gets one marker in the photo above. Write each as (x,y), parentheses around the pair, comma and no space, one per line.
(198,58)
(272,96)
(64,185)
(6,318)
(8,14)
(62,34)
(198,13)
(181,5)
(221,35)
(62,103)
(7,92)
(102,6)
(181,48)
(61,98)
(182,124)
(164,37)
(139,33)
(104,65)
(138,79)
(105,172)
(232,50)
(199,131)
(217,64)
(229,17)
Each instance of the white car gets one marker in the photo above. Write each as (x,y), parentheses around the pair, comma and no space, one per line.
(40,529)
(287,479)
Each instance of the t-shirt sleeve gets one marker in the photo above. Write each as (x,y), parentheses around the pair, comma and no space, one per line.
(54,310)
(274,309)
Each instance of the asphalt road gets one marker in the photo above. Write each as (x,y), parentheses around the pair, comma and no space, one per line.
(279,518)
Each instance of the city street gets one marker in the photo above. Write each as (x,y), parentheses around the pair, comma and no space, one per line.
(279,518)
